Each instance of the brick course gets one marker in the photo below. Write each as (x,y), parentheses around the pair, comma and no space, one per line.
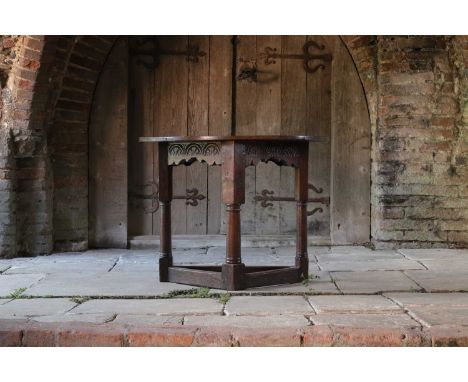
(23,333)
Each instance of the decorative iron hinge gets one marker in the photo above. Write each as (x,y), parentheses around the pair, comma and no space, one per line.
(266,198)
(150,47)
(192,197)
(311,61)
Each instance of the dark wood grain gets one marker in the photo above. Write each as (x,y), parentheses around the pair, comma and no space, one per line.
(235,155)
(259,138)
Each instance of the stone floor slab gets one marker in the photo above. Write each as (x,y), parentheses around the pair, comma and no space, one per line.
(447,316)
(434,253)
(267,305)
(21,308)
(80,266)
(288,253)
(317,250)
(221,251)
(117,284)
(353,304)
(90,262)
(138,261)
(4,266)
(250,256)
(349,249)
(363,320)
(360,256)
(454,264)
(441,281)
(12,283)
(313,287)
(319,282)
(174,306)
(273,321)
(372,265)
(434,300)
(96,318)
(4,300)
(150,319)
(374,282)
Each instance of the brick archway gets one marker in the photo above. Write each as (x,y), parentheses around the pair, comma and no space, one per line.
(45,108)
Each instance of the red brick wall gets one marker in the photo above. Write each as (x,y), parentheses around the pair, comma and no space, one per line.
(420,169)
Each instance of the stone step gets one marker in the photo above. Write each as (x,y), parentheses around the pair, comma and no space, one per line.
(203,241)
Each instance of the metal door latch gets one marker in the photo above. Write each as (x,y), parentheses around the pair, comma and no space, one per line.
(150,47)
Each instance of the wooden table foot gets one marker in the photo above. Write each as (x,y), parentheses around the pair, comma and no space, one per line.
(233,276)
(164,264)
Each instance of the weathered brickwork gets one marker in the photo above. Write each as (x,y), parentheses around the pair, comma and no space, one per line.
(26,190)
(84,57)
(420,167)
(416,89)
(8,45)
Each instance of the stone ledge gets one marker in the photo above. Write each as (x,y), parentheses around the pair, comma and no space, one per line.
(23,333)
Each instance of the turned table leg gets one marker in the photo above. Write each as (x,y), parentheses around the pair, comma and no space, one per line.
(233,188)
(301,189)
(165,198)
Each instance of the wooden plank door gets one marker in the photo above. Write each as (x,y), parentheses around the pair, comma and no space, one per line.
(179,97)
(205,96)
(286,100)
(350,170)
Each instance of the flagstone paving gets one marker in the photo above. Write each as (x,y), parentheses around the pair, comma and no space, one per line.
(109,284)
(441,281)
(17,283)
(175,306)
(353,304)
(266,305)
(349,287)
(23,308)
(374,282)
(436,300)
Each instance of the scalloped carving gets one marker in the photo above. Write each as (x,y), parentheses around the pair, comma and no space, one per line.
(283,154)
(189,152)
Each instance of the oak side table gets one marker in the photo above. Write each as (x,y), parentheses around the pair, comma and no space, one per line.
(234,154)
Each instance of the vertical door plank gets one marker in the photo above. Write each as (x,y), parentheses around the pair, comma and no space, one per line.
(172,116)
(319,123)
(268,122)
(293,122)
(156,107)
(219,117)
(246,120)
(140,174)
(197,124)
(350,186)
(108,198)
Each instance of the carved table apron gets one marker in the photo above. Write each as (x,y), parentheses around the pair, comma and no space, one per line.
(234,154)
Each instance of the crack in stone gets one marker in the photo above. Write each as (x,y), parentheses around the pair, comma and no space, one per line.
(419,285)
(115,263)
(308,303)
(1,272)
(334,283)
(418,261)
(407,311)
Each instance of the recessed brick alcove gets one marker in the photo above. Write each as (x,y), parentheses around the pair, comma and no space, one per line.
(416,90)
